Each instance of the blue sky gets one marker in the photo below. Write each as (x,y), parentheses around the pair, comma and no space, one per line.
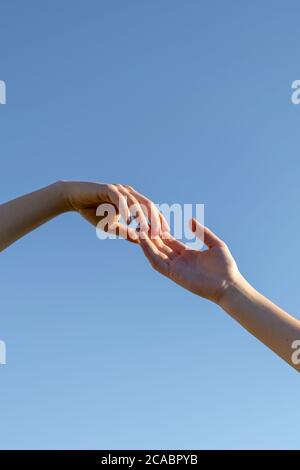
(189,102)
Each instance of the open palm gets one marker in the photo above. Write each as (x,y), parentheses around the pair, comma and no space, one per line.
(206,273)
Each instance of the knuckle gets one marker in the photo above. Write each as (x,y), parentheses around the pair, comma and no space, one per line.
(112,187)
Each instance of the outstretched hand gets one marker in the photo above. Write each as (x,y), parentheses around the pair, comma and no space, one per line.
(211,273)
(206,273)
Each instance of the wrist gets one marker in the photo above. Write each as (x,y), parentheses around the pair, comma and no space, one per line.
(62,189)
(235,289)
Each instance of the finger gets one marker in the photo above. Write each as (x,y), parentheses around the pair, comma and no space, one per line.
(112,227)
(158,260)
(157,222)
(135,208)
(204,234)
(125,232)
(175,245)
(164,224)
(163,248)
(149,209)
(119,201)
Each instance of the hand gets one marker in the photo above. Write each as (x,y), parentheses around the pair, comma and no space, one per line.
(206,273)
(86,197)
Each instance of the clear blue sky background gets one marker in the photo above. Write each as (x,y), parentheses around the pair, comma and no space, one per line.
(189,101)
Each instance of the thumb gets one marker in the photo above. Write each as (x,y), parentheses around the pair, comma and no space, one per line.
(204,234)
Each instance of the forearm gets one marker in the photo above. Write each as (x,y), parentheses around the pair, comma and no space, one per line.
(270,324)
(24,214)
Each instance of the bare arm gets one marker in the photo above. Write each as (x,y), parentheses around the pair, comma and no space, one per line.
(213,274)
(270,324)
(26,213)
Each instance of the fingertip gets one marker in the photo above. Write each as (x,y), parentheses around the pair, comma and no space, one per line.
(133,237)
(193,224)
(164,224)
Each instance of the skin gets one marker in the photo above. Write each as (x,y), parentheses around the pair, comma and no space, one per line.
(214,275)
(26,213)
